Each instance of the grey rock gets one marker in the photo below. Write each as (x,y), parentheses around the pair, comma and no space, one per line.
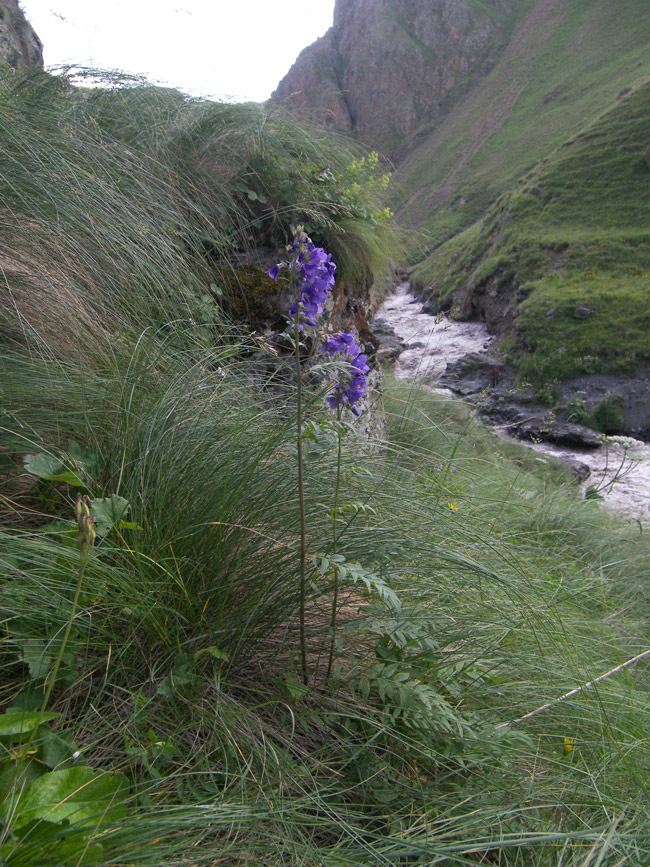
(582,313)
(20,47)
(469,387)
(581,472)
(560,433)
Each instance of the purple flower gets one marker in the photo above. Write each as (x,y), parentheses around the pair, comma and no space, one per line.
(315,273)
(360,365)
(354,385)
(342,342)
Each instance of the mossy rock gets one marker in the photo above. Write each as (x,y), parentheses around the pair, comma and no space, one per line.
(252,296)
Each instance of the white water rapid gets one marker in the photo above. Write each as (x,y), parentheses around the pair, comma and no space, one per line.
(620,468)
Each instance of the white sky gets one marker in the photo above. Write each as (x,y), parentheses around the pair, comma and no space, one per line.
(222,48)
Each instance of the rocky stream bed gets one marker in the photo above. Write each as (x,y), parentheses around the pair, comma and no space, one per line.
(454,358)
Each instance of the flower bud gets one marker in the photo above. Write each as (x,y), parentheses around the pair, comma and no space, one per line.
(87,533)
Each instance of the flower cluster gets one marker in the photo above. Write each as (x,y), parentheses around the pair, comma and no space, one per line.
(353,388)
(313,272)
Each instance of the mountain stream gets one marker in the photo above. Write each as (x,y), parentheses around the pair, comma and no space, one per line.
(619,469)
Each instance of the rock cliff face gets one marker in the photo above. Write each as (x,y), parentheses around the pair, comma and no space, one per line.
(387,66)
(19,44)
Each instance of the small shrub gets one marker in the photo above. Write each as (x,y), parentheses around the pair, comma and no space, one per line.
(607,416)
(576,411)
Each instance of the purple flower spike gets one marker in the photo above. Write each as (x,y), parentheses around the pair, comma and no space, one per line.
(314,271)
(354,386)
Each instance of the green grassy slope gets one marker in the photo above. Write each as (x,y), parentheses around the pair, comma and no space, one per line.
(566,63)
(574,233)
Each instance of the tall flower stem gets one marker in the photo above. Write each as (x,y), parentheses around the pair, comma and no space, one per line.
(335,592)
(301,502)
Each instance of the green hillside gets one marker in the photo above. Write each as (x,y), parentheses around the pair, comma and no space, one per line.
(574,233)
(565,65)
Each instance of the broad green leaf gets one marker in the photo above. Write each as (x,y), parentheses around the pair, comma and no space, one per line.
(69,478)
(42,465)
(18,723)
(108,512)
(51,469)
(35,655)
(80,795)
(54,749)
(59,526)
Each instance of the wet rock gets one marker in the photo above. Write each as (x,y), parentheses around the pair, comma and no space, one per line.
(581,472)
(389,345)
(469,387)
(523,395)
(560,433)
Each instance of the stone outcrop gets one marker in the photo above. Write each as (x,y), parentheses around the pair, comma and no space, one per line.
(386,67)
(20,47)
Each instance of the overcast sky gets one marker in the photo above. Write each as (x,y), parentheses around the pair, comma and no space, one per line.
(224,48)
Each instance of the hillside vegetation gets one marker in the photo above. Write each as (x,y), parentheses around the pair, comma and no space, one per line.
(563,66)
(531,195)
(573,233)
(154,710)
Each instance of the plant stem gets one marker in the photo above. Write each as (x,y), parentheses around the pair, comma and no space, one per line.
(335,594)
(575,691)
(84,557)
(301,501)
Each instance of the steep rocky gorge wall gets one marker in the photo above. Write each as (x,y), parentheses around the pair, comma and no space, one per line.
(20,47)
(387,66)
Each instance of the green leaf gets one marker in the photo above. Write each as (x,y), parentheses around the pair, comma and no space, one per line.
(213,651)
(42,465)
(54,749)
(35,654)
(69,478)
(80,795)
(129,525)
(295,688)
(182,675)
(60,526)
(18,723)
(51,469)
(108,512)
